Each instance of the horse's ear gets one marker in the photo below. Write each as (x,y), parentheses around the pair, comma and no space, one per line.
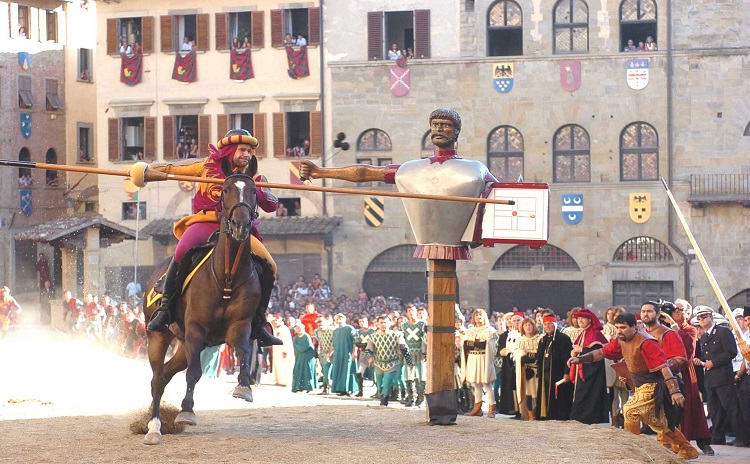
(252,166)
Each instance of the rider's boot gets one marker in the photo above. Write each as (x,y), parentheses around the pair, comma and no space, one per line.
(259,330)
(162,317)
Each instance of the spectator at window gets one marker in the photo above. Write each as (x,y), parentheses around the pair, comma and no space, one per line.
(186,45)
(301,41)
(193,153)
(409,53)
(394,52)
(281,211)
(125,48)
(52,179)
(25,181)
(641,47)
(289,40)
(304,149)
(21,32)
(630,47)
(650,44)
(137,48)
(289,152)
(139,155)
(85,76)
(246,43)
(179,151)
(235,43)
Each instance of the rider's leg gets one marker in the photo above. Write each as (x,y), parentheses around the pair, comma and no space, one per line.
(259,331)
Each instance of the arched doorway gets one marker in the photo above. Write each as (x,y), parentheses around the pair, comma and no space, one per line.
(394,272)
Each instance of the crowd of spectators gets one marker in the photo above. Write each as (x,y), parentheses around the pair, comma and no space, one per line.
(648,46)
(129,49)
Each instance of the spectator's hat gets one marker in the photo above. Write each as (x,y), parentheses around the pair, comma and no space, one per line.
(519,313)
(237,136)
(701,310)
(547,319)
(738,312)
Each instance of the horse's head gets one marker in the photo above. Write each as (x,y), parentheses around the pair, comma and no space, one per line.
(239,206)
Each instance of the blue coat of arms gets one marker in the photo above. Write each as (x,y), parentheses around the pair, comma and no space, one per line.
(25,125)
(26,201)
(572,207)
(503,77)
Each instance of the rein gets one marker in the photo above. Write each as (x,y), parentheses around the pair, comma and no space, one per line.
(229,272)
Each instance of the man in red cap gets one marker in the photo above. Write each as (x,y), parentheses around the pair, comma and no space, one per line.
(590,399)
(232,154)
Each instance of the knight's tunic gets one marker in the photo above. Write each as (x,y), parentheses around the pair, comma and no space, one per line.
(478,354)
(385,350)
(325,344)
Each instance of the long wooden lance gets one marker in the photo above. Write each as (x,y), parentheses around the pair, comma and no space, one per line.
(744,348)
(155,176)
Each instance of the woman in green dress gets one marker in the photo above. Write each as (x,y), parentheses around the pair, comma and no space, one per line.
(303,376)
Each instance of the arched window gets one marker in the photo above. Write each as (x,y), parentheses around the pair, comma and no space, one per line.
(373,140)
(51,176)
(24,174)
(426,145)
(571,26)
(505,29)
(643,249)
(639,152)
(505,154)
(571,154)
(524,257)
(637,24)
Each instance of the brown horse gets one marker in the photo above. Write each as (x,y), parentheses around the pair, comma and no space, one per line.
(217,306)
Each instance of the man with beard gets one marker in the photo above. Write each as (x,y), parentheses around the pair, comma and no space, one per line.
(590,399)
(554,400)
(648,365)
(506,344)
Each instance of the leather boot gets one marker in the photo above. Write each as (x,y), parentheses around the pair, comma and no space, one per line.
(360,385)
(531,415)
(260,326)
(162,317)
(684,449)
(616,419)
(420,392)
(477,411)
(491,412)
(409,394)
(394,394)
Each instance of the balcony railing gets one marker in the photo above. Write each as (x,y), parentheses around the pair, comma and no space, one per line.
(719,188)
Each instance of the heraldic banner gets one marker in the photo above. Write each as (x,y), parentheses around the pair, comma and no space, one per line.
(131,68)
(241,67)
(298,65)
(185,67)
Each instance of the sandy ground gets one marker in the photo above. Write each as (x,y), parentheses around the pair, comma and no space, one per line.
(67,401)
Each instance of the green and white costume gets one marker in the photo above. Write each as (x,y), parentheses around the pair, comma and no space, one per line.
(385,349)
(325,349)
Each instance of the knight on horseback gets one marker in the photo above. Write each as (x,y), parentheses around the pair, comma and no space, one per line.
(230,155)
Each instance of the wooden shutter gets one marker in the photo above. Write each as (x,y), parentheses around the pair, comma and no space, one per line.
(166,23)
(316,133)
(201,26)
(279,135)
(114,139)
(167,145)
(259,129)
(113,44)
(313,26)
(222,125)
(277,28)
(222,41)
(204,134)
(375,35)
(256,27)
(421,33)
(147,34)
(149,144)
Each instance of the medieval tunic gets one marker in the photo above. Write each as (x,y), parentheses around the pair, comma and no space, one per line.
(282,362)
(385,349)
(414,334)
(525,356)
(478,355)
(590,398)
(324,338)
(303,377)
(361,340)
(506,345)
(694,425)
(553,402)
(342,365)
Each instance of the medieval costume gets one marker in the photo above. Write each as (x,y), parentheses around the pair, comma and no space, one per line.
(694,424)
(526,370)
(553,401)
(385,348)
(590,398)
(282,355)
(415,335)
(478,361)
(506,346)
(324,339)
(303,376)
(360,341)
(342,366)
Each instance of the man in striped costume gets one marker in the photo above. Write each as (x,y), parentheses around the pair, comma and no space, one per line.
(414,333)
(383,352)
(323,336)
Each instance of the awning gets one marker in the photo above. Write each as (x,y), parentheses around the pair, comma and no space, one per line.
(64,227)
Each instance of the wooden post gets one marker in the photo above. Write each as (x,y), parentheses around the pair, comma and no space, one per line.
(441,287)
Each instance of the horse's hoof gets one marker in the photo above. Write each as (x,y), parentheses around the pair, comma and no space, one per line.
(243,392)
(152,438)
(186,418)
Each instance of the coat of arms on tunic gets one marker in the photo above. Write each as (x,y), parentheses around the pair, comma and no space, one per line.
(572,207)
(570,75)
(640,207)
(503,77)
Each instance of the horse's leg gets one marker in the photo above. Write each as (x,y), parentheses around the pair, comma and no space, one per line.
(239,337)
(194,344)
(158,343)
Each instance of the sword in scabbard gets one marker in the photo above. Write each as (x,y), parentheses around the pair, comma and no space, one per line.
(744,349)
(152,175)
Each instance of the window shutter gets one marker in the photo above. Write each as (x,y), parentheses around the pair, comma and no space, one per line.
(375,35)
(313,26)
(112,39)
(149,144)
(166,33)
(204,134)
(316,133)
(222,41)
(421,33)
(168,138)
(201,26)
(114,139)
(222,125)
(279,135)
(259,126)
(147,34)
(256,26)
(277,29)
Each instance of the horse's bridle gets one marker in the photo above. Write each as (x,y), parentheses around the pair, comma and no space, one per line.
(226,218)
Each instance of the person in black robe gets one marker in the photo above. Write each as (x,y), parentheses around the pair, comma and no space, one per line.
(590,398)
(553,401)
(505,346)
